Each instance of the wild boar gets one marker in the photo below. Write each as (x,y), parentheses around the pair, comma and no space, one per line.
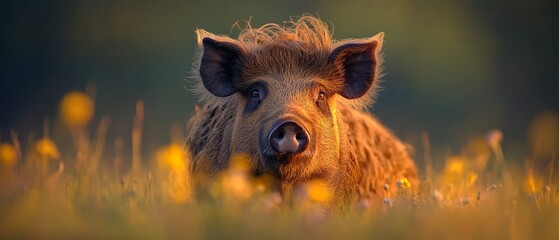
(294,99)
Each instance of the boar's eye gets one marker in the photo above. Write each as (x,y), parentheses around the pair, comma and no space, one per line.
(321,103)
(320,96)
(255,94)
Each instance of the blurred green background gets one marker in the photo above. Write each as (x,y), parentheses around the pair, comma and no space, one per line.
(455,69)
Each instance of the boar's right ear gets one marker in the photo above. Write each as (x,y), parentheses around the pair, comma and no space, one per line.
(217,68)
(358,65)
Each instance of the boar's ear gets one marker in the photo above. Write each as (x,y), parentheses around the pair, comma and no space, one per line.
(358,66)
(217,68)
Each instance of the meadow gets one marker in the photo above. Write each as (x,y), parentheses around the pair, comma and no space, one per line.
(80,184)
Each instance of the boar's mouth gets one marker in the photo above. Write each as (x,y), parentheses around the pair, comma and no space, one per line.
(277,158)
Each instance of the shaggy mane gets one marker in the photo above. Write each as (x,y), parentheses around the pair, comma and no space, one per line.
(309,32)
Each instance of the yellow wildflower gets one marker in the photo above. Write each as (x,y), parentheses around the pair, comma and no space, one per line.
(47,148)
(76,109)
(171,157)
(236,182)
(454,170)
(236,185)
(318,191)
(454,165)
(472,178)
(263,183)
(404,183)
(8,154)
(533,184)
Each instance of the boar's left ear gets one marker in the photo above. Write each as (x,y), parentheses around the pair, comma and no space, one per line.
(358,64)
(217,68)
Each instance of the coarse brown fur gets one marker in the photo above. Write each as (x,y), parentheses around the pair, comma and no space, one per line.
(349,149)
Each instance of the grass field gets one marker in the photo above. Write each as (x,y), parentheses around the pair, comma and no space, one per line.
(54,188)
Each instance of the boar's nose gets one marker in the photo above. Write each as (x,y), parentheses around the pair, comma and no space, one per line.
(289,137)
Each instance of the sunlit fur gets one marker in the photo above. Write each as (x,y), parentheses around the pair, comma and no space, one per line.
(349,149)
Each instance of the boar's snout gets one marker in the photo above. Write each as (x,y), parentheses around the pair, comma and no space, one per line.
(289,138)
